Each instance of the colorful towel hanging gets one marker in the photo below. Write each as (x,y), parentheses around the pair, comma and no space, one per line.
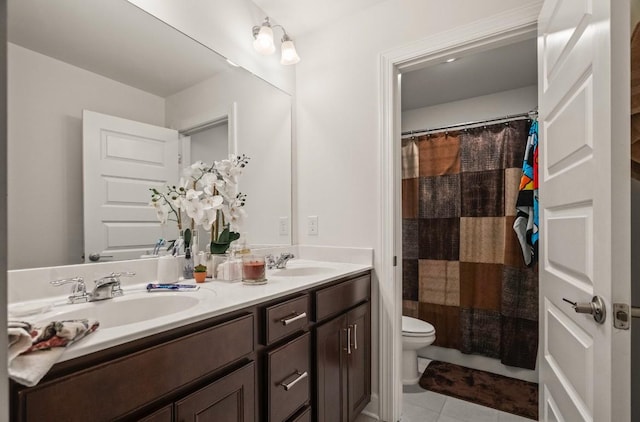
(526,223)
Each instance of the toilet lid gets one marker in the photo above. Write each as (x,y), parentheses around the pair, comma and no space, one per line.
(416,326)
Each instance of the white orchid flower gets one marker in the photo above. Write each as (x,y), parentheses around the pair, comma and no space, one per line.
(208,183)
(194,210)
(209,217)
(195,170)
(212,202)
(162,211)
(234,214)
(192,194)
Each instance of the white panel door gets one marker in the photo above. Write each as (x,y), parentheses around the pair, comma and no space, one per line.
(122,160)
(584,207)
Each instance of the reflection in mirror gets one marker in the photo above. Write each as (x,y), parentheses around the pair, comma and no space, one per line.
(115,59)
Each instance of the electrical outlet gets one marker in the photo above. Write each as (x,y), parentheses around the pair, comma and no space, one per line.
(312,225)
(284,226)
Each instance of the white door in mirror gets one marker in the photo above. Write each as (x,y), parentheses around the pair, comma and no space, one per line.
(122,160)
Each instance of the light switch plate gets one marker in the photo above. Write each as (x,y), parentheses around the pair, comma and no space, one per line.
(283,227)
(312,225)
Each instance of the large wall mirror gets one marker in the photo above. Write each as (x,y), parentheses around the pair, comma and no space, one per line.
(114,59)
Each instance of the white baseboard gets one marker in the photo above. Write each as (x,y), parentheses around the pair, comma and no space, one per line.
(371,413)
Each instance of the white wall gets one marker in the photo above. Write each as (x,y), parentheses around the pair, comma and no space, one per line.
(338,127)
(45,102)
(514,101)
(263,116)
(210,145)
(224,26)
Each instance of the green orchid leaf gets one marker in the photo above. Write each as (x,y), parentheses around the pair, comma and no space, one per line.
(187,238)
(218,248)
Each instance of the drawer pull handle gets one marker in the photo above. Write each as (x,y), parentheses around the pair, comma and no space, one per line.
(355,336)
(348,348)
(294,318)
(300,377)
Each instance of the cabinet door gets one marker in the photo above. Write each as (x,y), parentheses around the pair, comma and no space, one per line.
(331,370)
(359,360)
(229,399)
(162,415)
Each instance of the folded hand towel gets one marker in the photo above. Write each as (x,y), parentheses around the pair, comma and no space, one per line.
(46,345)
(19,338)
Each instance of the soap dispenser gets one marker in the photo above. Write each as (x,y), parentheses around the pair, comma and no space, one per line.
(187,271)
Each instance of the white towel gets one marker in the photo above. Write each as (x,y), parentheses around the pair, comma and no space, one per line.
(29,363)
(19,339)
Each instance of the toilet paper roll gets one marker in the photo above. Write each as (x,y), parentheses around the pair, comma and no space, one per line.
(168,269)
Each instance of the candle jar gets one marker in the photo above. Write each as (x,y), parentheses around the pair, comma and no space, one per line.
(253,269)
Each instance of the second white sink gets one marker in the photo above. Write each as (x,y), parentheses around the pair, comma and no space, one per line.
(301,271)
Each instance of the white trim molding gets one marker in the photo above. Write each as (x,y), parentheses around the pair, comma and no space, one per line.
(501,29)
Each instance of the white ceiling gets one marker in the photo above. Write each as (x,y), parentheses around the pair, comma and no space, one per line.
(114,39)
(300,16)
(508,67)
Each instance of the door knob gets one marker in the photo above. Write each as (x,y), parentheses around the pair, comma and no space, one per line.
(596,308)
(95,256)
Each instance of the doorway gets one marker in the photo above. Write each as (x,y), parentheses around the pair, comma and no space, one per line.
(489,34)
(465,123)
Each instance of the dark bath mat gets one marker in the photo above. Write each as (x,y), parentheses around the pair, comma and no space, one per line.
(484,388)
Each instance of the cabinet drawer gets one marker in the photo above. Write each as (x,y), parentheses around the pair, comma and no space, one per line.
(286,318)
(133,381)
(338,298)
(229,399)
(288,372)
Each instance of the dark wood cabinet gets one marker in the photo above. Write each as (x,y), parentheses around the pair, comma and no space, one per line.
(359,360)
(229,399)
(343,362)
(161,415)
(298,358)
(331,370)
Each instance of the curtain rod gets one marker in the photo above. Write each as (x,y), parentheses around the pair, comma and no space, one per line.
(467,125)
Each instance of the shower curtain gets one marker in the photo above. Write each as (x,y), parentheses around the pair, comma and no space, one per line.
(463,269)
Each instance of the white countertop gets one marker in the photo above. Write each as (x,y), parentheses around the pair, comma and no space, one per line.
(212,299)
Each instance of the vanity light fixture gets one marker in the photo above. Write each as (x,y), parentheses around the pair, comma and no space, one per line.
(263,43)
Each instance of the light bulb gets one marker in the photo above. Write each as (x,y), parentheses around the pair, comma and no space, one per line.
(289,54)
(263,43)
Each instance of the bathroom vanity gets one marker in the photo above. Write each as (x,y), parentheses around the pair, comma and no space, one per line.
(303,355)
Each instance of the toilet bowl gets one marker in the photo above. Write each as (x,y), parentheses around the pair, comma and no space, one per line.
(416,334)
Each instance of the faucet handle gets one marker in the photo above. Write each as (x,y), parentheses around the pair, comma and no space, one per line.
(78,290)
(270,260)
(114,279)
(121,274)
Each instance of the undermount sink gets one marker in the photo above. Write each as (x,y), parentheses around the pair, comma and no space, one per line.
(301,271)
(125,310)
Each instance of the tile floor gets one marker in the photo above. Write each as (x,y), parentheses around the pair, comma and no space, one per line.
(419,405)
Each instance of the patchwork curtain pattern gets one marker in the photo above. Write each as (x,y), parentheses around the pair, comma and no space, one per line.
(463,269)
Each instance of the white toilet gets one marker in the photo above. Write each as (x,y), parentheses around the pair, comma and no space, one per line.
(416,334)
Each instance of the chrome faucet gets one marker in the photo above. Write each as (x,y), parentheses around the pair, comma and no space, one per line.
(279,262)
(106,287)
(78,290)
